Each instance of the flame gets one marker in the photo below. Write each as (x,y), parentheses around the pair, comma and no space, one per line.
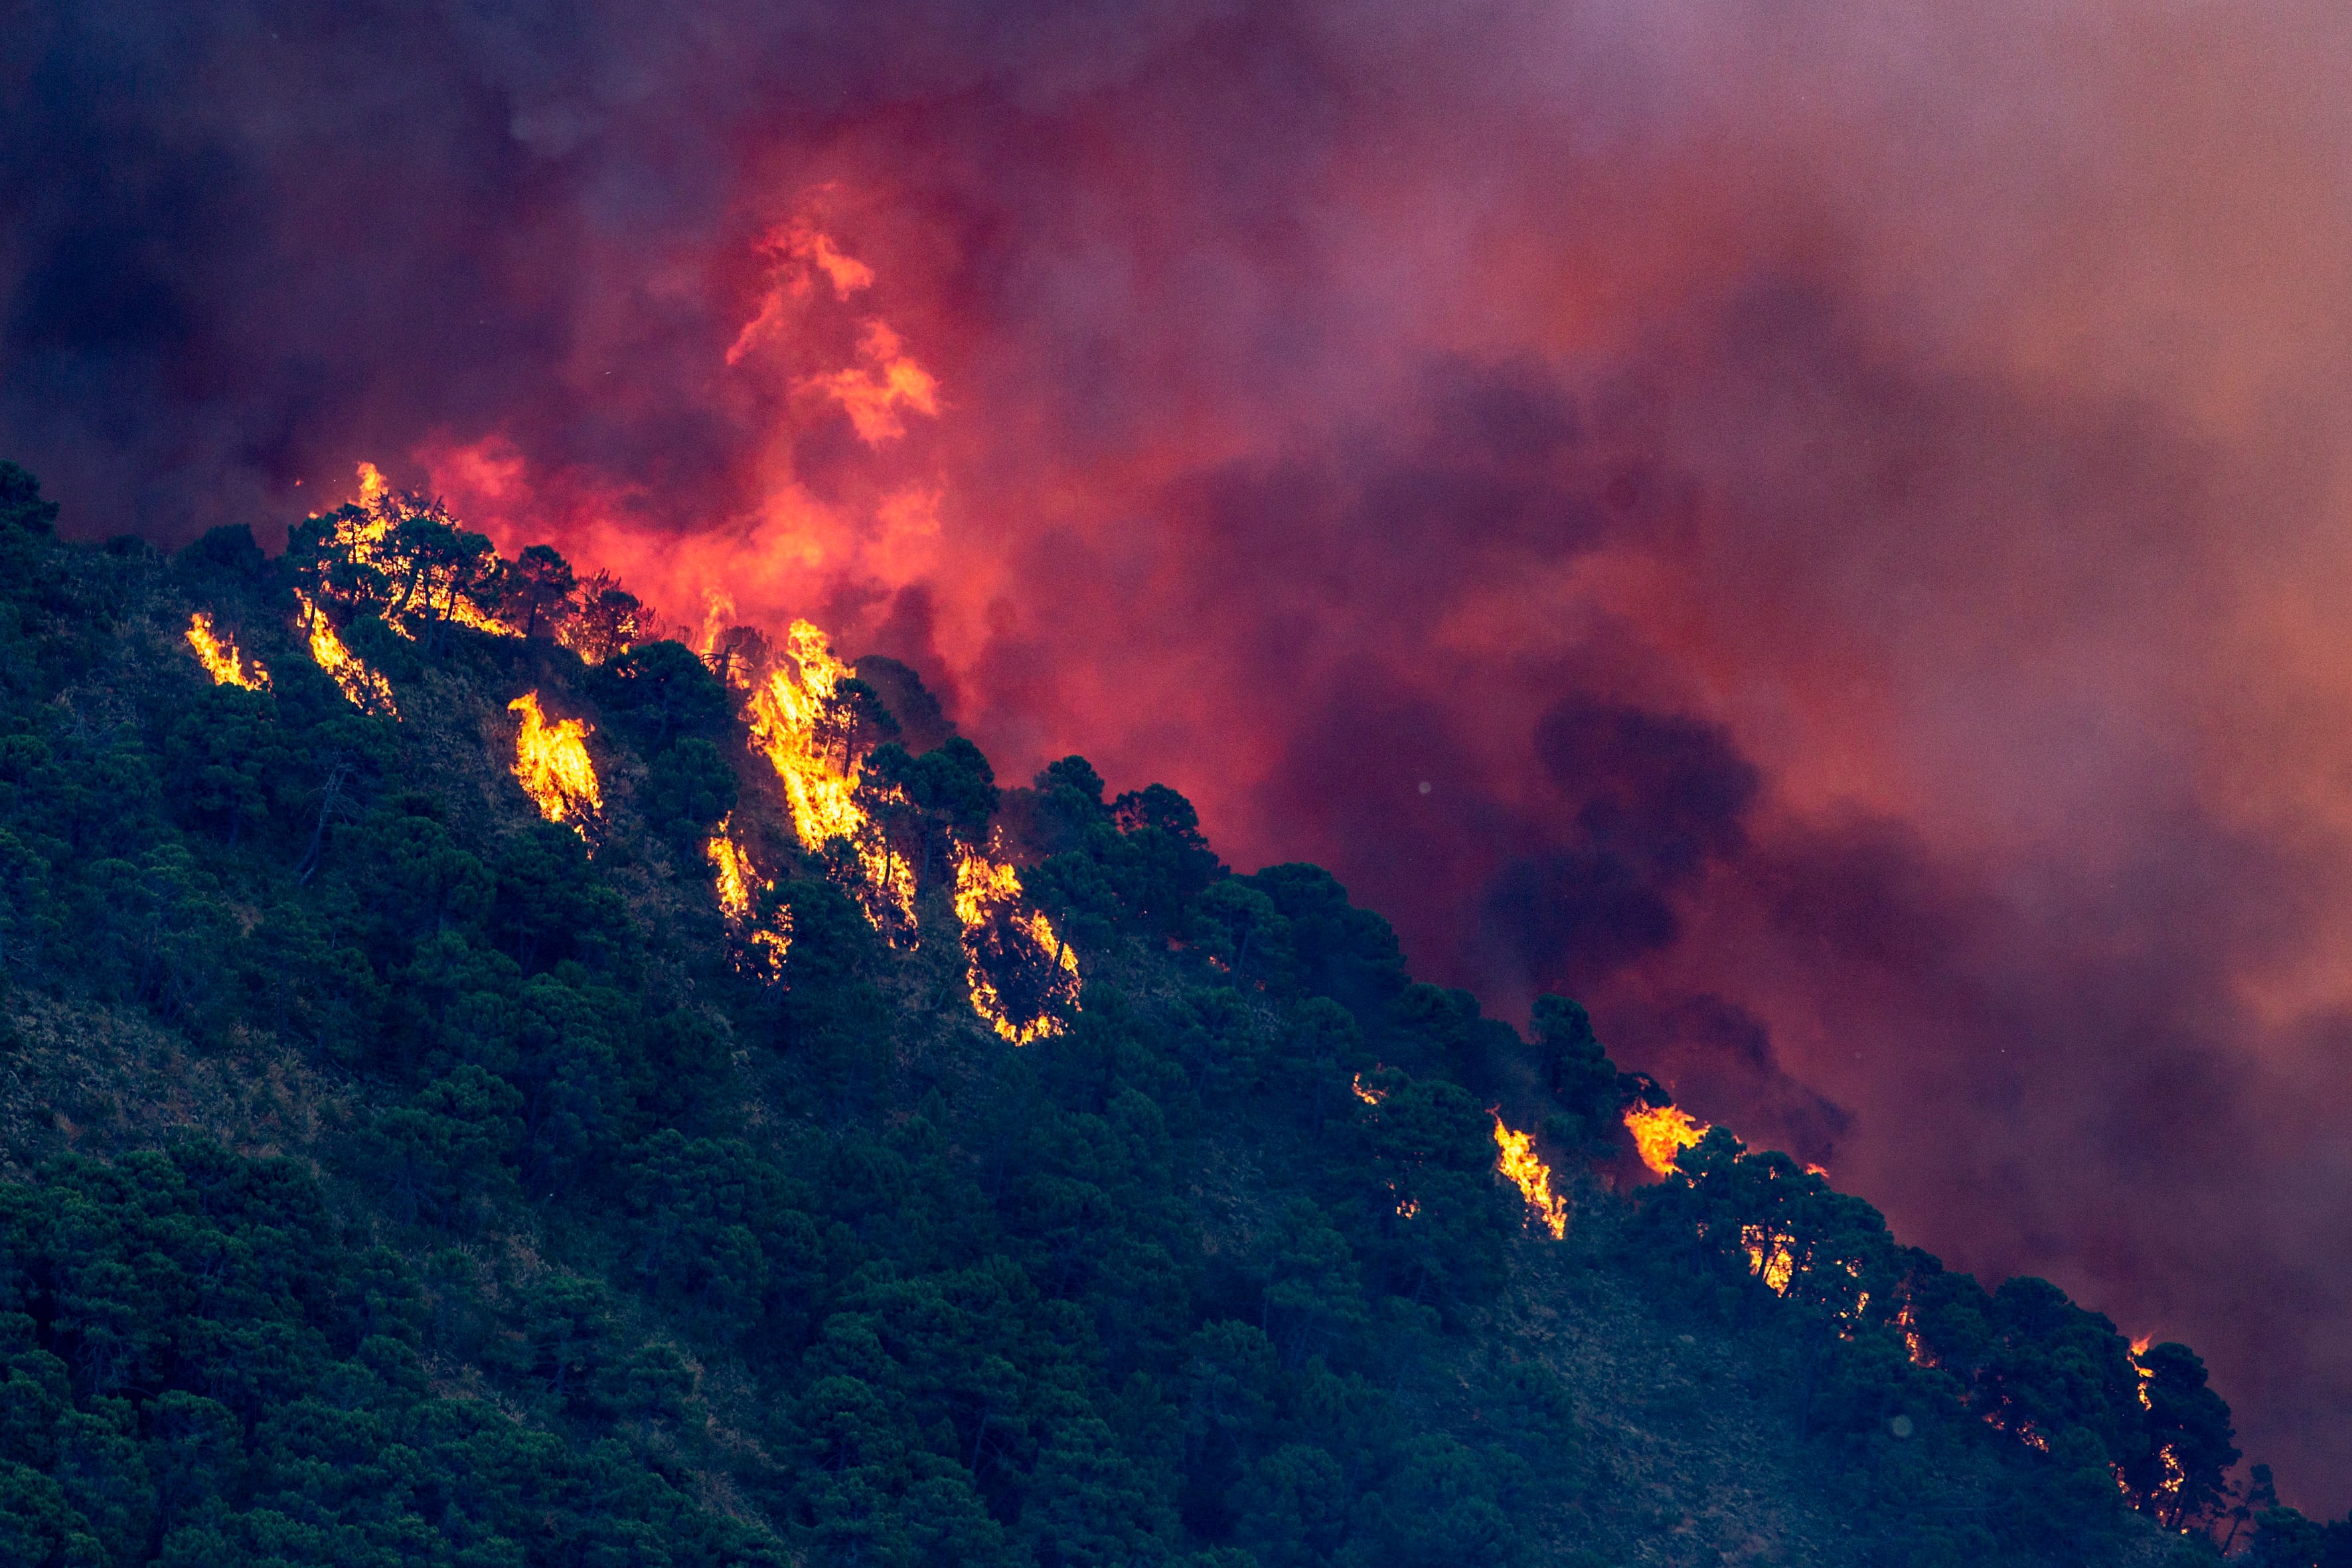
(367,690)
(1769,1257)
(551,763)
(1661,1133)
(732,873)
(1369,1096)
(1913,1346)
(718,614)
(987,899)
(373,487)
(873,394)
(1533,1178)
(365,538)
(463,612)
(221,659)
(792,720)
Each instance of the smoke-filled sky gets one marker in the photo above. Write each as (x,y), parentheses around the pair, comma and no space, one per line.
(1818,529)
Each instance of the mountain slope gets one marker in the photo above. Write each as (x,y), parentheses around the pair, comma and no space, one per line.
(416,1157)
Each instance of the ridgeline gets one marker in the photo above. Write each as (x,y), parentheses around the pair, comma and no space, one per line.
(482,1087)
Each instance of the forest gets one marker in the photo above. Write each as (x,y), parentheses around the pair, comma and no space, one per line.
(491,1079)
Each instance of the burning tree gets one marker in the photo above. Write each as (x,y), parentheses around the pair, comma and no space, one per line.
(552,766)
(1022,977)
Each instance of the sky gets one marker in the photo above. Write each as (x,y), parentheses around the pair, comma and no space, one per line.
(1818,530)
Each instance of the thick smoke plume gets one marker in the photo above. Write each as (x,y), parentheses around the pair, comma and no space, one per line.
(1818,529)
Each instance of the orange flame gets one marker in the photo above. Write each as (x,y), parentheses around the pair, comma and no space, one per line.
(374,485)
(764,950)
(1532,1176)
(367,690)
(1369,1096)
(220,659)
(988,892)
(792,720)
(1661,1133)
(366,539)
(1769,1257)
(1913,1346)
(551,763)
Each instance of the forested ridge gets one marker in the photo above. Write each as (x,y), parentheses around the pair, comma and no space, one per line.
(407,1165)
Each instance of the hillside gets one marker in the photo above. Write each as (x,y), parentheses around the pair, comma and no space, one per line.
(485,1088)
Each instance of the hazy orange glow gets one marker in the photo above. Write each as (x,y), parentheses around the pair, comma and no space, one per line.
(794,252)
(1531,1176)
(872,394)
(552,766)
(987,897)
(220,659)
(366,688)
(1662,1132)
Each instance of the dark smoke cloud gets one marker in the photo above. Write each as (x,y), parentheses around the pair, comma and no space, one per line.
(1657,798)
(1813,527)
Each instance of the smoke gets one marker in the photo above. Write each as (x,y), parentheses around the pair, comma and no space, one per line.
(1816,531)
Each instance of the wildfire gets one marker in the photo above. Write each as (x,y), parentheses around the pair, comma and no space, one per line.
(1913,1346)
(765,949)
(793,721)
(1533,1178)
(366,539)
(1369,1096)
(1769,1258)
(1663,1132)
(551,763)
(366,688)
(221,659)
(988,907)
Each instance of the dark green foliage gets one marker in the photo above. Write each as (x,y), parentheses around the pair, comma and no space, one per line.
(199,1370)
(226,553)
(659,691)
(539,590)
(603,1251)
(929,802)
(22,510)
(2188,1421)
(689,787)
(1578,1074)
(921,724)
(2284,1537)
(1346,953)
